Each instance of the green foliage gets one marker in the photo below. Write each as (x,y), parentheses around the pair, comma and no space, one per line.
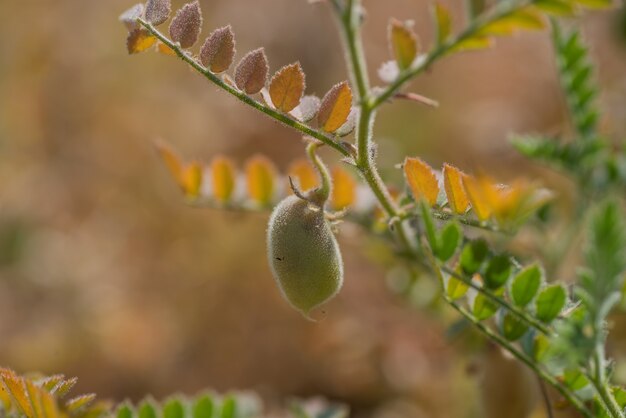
(526,285)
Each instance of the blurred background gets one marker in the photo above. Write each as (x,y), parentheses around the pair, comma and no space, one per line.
(107,275)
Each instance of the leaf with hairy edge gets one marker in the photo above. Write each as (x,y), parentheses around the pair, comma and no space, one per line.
(158,11)
(124,411)
(444,23)
(473,256)
(302,173)
(223,176)
(403,43)
(261,180)
(526,285)
(475,192)
(335,107)
(251,72)
(80,402)
(448,241)
(186,25)
(16,388)
(218,51)
(473,43)
(422,180)
(556,7)
(139,40)
(453,184)
(524,19)
(550,303)
(287,87)
(307,109)
(147,409)
(130,16)
(229,407)
(483,308)
(498,271)
(344,188)
(173,409)
(512,327)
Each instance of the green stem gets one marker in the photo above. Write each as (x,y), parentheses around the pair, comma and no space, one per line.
(499,11)
(281,117)
(499,301)
(323,192)
(540,371)
(601,383)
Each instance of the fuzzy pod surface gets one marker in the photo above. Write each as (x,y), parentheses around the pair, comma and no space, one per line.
(303,254)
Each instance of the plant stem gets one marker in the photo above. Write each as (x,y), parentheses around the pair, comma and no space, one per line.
(601,383)
(541,372)
(215,79)
(499,11)
(503,303)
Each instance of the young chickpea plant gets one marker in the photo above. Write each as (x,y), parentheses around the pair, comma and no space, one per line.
(443,222)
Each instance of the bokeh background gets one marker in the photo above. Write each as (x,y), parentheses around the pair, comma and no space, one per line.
(106,274)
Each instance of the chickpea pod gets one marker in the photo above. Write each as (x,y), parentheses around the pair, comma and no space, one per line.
(302,250)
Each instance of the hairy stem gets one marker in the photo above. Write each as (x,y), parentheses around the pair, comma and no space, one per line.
(215,79)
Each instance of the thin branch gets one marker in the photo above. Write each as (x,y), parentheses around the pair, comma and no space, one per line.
(281,117)
(545,396)
(499,11)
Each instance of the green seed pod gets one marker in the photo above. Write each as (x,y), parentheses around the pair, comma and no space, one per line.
(303,254)
(301,247)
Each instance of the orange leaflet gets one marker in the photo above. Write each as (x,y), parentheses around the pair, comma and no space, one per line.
(422,180)
(453,184)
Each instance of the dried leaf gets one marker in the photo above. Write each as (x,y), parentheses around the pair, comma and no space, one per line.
(139,40)
(158,11)
(307,109)
(287,87)
(480,192)
(422,180)
(335,107)
(344,188)
(15,386)
(403,43)
(455,191)
(79,402)
(223,176)
(165,50)
(251,72)
(444,23)
(186,25)
(302,171)
(188,176)
(218,51)
(130,16)
(261,180)
(527,18)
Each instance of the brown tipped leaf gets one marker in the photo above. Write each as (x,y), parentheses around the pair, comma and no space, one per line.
(186,25)
(335,107)
(218,50)
(158,11)
(251,72)
(403,43)
(139,40)
(287,87)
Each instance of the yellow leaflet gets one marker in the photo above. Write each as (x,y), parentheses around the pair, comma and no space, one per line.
(191,179)
(34,393)
(139,40)
(303,174)
(478,191)
(422,180)
(444,23)
(49,405)
(595,4)
(15,387)
(165,50)
(527,18)
(223,176)
(261,179)
(473,43)
(287,87)
(453,184)
(556,7)
(187,176)
(344,188)
(335,108)
(403,43)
